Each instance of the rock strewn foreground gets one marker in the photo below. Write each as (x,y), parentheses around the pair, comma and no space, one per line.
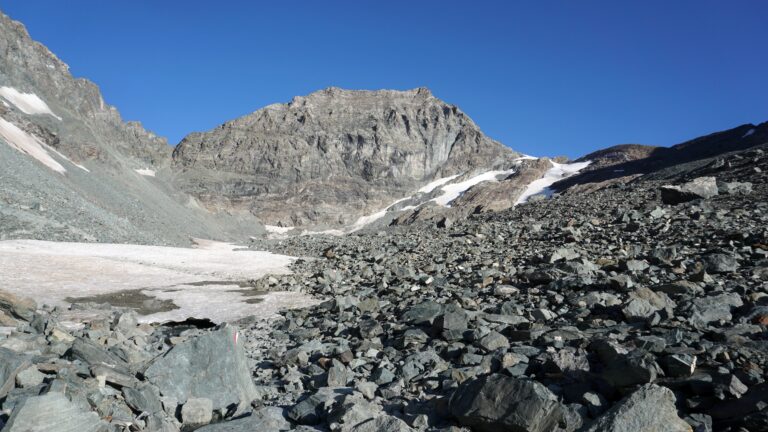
(610,310)
(603,311)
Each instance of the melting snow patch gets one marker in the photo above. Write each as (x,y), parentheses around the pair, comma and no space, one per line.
(453,191)
(28,103)
(194,279)
(554,174)
(146,172)
(439,182)
(749,132)
(28,144)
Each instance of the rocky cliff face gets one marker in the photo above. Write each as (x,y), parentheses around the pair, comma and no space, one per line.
(333,155)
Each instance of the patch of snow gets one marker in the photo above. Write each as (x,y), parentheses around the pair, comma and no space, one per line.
(331,232)
(554,174)
(277,229)
(439,182)
(749,132)
(68,159)
(526,157)
(454,190)
(363,221)
(29,144)
(51,272)
(28,103)
(6,104)
(146,172)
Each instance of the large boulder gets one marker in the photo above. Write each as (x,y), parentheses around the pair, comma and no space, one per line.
(650,409)
(497,402)
(263,419)
(210,366)
(20,307)
(699,188)
(52,412)
(11,364)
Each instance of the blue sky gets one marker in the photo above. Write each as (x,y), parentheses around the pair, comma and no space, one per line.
(546,78)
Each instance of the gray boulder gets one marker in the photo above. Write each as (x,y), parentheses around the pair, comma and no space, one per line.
(52,412)
(384,423)
(264,419)
(699,188)
(210,366)
(649,409)
(196,412)
(11,364)
(496,402)
(20,307)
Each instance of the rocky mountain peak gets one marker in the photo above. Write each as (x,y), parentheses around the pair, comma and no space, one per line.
(353,150)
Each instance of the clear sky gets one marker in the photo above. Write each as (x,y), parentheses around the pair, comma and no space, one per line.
(544,77)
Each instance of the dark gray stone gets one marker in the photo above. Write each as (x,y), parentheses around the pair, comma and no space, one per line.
(651,408)
(495,402)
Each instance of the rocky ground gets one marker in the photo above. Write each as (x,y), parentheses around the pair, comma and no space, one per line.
(640,306)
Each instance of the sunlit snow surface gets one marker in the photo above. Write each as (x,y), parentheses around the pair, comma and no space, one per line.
(454,190)
(429,187)
(33,146)
(28,103)
(146,172)
(554,174)
(50,272)
(274,229)
(28,144)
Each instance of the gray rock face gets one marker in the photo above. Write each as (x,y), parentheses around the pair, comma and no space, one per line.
(651,408)
(496,402)
(211,366)
(333,152)
(699,188)
(61,415)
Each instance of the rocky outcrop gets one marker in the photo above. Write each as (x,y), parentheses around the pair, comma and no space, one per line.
(333,155)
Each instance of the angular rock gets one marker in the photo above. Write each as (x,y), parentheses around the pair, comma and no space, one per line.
(29,377)
(20,307)
(52,412)
(496,402)
(493,341)
(212,366)
(196,412)
(650,408)
(263,419)
(699,188)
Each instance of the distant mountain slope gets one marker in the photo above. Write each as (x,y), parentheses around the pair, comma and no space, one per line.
(72,169)
(333,155)
(653,162)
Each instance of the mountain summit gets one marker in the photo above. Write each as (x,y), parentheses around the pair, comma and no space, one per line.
(333,155)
